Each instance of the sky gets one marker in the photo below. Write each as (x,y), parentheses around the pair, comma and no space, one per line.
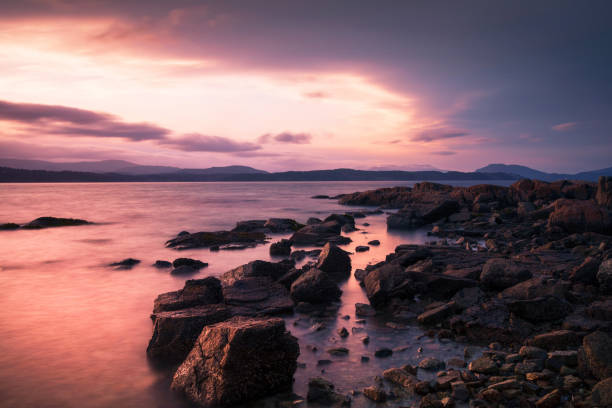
(301,85)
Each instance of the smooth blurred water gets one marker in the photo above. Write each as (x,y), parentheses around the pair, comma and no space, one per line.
(73,332)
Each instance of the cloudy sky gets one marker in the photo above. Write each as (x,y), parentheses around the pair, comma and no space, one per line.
(284,84)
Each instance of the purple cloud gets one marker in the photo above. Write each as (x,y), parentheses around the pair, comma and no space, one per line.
(286,137)
(444,153)
(67,121)
(196,142)
(437,134)
(563,127)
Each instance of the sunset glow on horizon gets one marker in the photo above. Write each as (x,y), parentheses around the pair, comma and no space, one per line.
(214,83)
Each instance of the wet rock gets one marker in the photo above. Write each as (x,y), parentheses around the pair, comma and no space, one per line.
(320,234)
(375,393)
(364,310)
(280,248)
(360,274)
(374,242)
(595,355)
(362,248)
(604,276)
(127,263)
(193,263)
(215,238)
(530,352)
(556,340)
(258,268)
(557,359)
(540,309)
(434,285)
(315,286)
(162,264)
(282,225)
(257,296)
(536,287)
(400,377)
(321,391)
(468,297)
(501,273)
(383,352)
(586,272)
(580,216)
(339,351)
(183,270)
(175,332)
(335,262)
(9,226)
(438,314)
(320,197)
(196,292)
(386,282)
(52,222)
(601,395)
(483,365)
(343,332)
(431,364)
(550,400)
(238,361)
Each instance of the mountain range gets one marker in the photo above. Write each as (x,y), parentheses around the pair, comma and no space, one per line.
(18,170)
(527,172)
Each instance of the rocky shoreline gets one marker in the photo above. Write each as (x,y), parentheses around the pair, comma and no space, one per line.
(525,271)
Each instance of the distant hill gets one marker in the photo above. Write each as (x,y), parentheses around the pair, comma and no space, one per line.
(10,175)
(527,172)
(119,167)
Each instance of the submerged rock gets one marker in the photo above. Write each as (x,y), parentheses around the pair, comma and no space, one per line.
(52,222)
(321,391)
(9,226)
(238,361)
(216,238)
(162,264)
(127,263)
(193,263)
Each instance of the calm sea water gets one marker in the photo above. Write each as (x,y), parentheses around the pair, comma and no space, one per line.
(73,332)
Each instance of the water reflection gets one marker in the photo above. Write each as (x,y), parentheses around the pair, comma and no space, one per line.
(73,332)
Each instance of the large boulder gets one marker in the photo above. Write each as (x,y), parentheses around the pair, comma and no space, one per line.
(315,286)
(175,332)
(499,274)
(536,287)
(196,292)
(604,192)
(257,269)
(540,309)
(580,216)
(601,395)
(595,355)
(386,282)
(238,361)
(335,262)
(604,276)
